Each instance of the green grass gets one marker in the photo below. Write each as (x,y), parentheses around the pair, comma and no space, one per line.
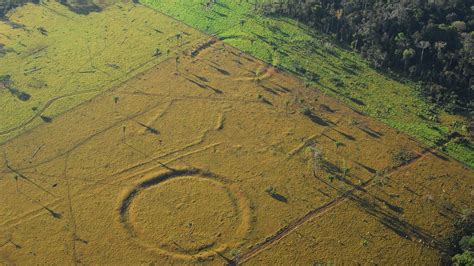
(61,58)
(336,71)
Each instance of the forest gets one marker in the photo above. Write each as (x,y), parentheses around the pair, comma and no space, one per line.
(427,41)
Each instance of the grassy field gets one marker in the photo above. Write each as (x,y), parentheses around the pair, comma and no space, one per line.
(336,71)
(220,158)
(128,137)
(57,59)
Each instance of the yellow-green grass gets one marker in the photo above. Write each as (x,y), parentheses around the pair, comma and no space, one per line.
(204,164)
(337,71)
(61,58)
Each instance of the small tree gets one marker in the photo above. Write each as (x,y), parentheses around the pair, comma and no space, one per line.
(423,45)
(318,159)
(270,190)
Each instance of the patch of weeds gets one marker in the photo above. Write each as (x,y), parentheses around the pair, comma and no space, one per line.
(331,178)
(380,180)
(306,111)
(345,171)
(234,252)
(5,81)
(364,242)
(404,156)
(338,144)
(354,122)
(337,82)
(299,68)
(5,78)
(270,190)
(312,77)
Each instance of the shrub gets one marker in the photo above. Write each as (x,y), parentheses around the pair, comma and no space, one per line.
(270,190)
(306,111)
(465,258)
(462,240)
(5,78)
(337,82)
(404,156)
(331,178)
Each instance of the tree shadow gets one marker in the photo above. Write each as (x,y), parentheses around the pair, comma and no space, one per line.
(400,227)
(279,197)
(370,132)
(222,71)
(46,119)
(347,136)
(316,119)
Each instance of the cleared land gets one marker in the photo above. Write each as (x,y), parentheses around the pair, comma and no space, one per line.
(336,71)
(57,59)
(217,157)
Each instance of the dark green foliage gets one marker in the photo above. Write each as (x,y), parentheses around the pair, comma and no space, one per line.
(5,6)
(466,258)
(338,82)
(467,243)
(429,41)
(462,240)
(312,76)
(5,78)
(404,156)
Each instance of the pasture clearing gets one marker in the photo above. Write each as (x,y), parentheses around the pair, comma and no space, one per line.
(55,58)
(217,157)
(335,70)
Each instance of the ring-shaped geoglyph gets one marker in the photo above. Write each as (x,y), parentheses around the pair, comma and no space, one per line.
(186,213)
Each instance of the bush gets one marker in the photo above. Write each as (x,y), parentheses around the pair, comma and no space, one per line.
(5,79)
(404,156)
(306,111)
(465,258)
(270,190)
(337,82)
(462,240)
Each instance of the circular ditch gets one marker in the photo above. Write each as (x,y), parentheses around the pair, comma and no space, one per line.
(186,213)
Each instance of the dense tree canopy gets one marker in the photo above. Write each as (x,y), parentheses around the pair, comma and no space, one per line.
(427,40)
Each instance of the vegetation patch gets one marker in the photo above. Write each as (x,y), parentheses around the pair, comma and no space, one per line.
(335,70)
(109,48)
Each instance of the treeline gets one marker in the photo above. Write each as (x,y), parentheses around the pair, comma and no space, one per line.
(426,40)
(6,5)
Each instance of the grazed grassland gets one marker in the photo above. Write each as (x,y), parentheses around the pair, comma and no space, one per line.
(330,68)
(57,59)
(218,158)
